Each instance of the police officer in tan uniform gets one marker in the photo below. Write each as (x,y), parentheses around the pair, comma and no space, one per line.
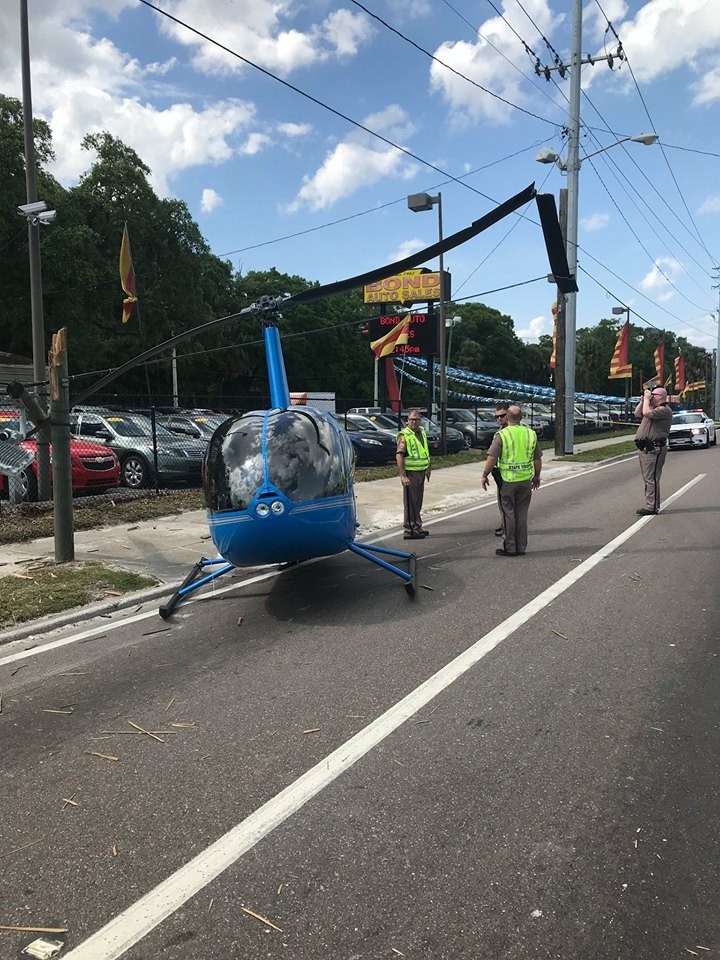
(413,462)
(651,440)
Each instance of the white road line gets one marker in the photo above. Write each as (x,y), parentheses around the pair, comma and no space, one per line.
(134,923)
(219,591)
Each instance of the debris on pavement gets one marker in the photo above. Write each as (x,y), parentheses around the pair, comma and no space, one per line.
(261,919)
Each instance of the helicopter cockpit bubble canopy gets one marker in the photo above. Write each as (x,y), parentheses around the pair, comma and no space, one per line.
(299,453)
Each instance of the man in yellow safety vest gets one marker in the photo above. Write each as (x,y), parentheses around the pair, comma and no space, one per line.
(515,451)
(413,461)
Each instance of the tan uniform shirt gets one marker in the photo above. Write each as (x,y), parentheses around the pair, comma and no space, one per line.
(655,425)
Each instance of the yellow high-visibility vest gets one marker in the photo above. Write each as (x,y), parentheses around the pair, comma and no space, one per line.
(417,454)
(516,461)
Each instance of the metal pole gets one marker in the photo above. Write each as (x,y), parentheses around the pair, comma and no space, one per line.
(174,374)
(441,353)
(573,170)
(36,304)
(62,468)
(375,384)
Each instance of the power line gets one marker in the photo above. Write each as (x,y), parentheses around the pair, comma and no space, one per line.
(652,259)
(647,112)
(488,41)
(382,206)
(447,66)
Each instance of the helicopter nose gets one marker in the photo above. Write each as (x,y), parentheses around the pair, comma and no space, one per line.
(263,510)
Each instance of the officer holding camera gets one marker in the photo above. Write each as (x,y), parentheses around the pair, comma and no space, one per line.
(651,440)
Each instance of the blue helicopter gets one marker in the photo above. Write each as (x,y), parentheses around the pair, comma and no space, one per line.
(278,483)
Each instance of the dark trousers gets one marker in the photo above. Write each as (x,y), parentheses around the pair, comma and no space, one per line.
(651,467)
(497,477)
(515,503)
(413,495)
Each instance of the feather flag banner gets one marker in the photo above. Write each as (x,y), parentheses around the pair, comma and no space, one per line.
(680,373)
(620,369)
(127,276)
(553,355)
(385,345)
(659,356)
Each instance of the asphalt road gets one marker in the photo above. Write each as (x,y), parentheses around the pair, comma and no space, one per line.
(553,793)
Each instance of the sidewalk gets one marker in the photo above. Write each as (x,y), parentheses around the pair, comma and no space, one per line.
(167,547)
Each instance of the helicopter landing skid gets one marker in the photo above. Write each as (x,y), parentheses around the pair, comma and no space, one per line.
(190,583)
(364,550)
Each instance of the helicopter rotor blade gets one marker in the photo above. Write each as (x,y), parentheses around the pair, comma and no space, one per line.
(442,246)
(326,290)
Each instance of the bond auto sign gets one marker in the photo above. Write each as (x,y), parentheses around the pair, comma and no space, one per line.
(407,287)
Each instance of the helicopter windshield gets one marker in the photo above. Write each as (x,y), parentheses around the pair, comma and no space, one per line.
(305,459)
(304,456)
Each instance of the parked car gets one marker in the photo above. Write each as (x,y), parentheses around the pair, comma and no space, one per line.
(692,428)
(372,447)
(477,426)
(94,468)
(130,436)
(455,441)
(193,425)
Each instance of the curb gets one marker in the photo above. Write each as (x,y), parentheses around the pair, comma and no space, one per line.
(79,614)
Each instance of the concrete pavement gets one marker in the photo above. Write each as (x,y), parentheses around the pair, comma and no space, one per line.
(166,548)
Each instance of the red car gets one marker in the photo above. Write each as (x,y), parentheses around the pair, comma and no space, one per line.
(95,467)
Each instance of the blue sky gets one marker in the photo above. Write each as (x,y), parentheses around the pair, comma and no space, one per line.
(256,161)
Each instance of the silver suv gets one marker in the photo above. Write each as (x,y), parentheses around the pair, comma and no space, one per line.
(130,436)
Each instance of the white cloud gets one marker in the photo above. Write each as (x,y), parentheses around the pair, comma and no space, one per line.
(294,129)
(535,328)
(710,204)
(358,161)
(479,62)
(260,32)
(707,89)
(211,200)
(254,144)
(596,221)
(655,282)
(706,340)
(666,34)
(406,249)
(82,84)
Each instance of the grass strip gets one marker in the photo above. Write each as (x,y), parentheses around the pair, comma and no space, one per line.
(52,588)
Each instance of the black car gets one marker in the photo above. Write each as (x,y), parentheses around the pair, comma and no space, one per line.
(372,447)
(477,426)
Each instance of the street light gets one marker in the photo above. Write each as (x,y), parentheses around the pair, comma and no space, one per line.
(572,167)
(419,202)
(546,155)
(451,322)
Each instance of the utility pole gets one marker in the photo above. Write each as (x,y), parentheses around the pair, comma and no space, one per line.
(62,468)
(573,169)
(716,407)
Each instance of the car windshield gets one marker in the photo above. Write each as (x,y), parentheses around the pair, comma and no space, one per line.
(687,418)
(137,426)
(385,421)
(464,416)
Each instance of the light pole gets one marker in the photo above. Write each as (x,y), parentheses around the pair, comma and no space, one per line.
(418,202)
(34,212)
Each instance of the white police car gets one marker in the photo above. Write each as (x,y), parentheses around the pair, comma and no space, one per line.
(692,428)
